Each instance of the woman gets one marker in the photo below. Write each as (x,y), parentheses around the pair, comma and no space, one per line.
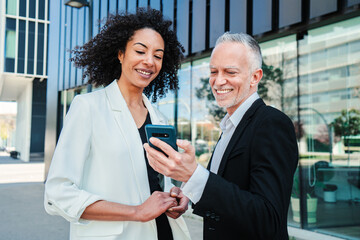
(99,178)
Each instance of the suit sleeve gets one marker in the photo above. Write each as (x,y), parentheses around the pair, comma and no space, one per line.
(259,210)
(63,193)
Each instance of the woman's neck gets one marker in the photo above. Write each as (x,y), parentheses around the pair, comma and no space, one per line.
(134,101)
(132,95)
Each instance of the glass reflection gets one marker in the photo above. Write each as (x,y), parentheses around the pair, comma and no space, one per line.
(330,113)
(328,128)
(206,118)
(184,102)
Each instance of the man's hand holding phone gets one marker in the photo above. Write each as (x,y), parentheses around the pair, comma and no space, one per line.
(179,166)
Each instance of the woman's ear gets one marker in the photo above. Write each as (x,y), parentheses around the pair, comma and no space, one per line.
(256,77)
(120,56)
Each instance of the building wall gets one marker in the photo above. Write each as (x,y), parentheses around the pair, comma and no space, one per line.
(23,122)
(23,44)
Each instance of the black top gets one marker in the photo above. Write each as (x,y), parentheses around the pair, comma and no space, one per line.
(162,223)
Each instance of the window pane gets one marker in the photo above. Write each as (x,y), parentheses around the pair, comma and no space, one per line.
(9,65)
(10,44)
(21,47)
(10,24)
(22,10)
(322,7)
(40,49)
(329,109)
(182,27)
(184,108)
(11,7)
(205,112)
(280,71)
(32,8)
(41,13)
(31,42)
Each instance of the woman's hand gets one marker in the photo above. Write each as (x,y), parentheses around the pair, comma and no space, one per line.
(155,205)
(183,202)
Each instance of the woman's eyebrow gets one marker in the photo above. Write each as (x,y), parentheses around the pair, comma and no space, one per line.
(162,50)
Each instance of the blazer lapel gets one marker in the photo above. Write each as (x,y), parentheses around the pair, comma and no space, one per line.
(238,132)
(155,119)
(131,138)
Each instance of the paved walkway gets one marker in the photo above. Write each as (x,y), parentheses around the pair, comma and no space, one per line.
(22,215)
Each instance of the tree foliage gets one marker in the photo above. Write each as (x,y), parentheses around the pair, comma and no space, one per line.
(273,75)
(348,123)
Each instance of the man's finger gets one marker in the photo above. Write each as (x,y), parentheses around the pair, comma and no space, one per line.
(186,145)
(175,191)
(178,209)
(166,148)
(173,215)
(155,157)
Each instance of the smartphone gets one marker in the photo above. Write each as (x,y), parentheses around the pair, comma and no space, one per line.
(165,133)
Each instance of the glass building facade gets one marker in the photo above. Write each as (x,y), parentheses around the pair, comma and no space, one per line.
(319,90)
(311,63)
(24,28)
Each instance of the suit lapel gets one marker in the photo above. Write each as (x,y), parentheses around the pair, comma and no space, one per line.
(156,120)
(238,132)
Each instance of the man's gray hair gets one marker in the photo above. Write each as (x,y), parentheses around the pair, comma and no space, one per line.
(249,42)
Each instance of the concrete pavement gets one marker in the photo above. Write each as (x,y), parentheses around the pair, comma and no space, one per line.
(22,215)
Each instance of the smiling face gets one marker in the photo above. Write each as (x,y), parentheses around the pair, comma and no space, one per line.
(142,60)
(231,80)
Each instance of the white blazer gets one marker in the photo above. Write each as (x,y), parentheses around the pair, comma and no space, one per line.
(99,156)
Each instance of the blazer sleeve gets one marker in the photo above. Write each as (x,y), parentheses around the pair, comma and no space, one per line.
(63,193)
(260,210)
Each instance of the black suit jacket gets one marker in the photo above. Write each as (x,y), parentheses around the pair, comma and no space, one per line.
(249,196)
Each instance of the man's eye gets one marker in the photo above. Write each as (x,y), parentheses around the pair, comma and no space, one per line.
(213,72)
(231,73)
(140,52)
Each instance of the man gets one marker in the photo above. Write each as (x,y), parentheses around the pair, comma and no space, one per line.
(245,192)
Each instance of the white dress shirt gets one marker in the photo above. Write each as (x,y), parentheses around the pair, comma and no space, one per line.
(194,187)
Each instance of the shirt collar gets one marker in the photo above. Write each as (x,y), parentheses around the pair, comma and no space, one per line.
(236,117)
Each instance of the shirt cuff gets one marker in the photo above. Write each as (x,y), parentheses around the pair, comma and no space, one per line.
(195,186)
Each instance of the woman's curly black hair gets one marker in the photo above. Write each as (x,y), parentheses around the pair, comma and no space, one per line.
(99,56)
